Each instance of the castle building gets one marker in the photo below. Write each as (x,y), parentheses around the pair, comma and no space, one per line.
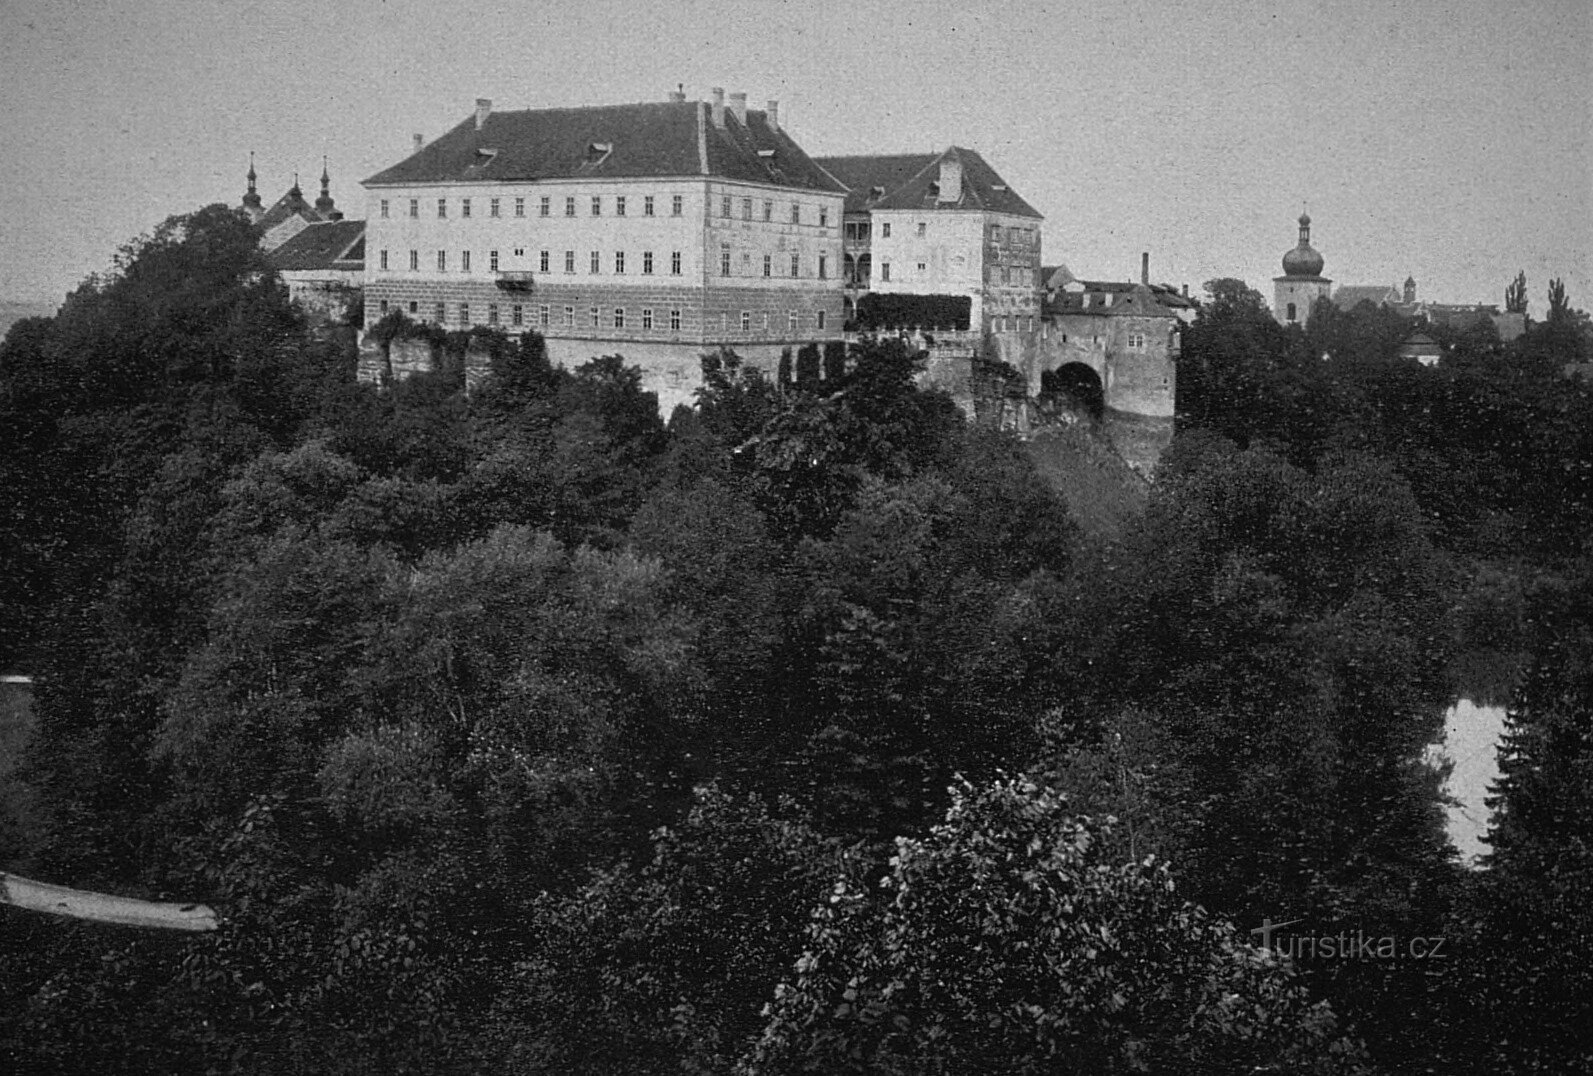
(940,224)
(1302,282)
(657,231)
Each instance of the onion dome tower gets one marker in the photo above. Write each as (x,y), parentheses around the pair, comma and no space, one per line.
(1302,282)
(323,204)
(251,197)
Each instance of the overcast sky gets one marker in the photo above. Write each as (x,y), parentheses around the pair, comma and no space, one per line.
(1444,139)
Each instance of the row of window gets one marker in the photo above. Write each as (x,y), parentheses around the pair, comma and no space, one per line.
(594,262)
(727,205)
(519,313)
(620,203)
(495,206)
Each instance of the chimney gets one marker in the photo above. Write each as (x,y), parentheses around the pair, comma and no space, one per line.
(1144,268)
(738,105)
(716,111)
(1186,291)
(419,142)
(950,179)
(483,110)
(678,94)
(774,115)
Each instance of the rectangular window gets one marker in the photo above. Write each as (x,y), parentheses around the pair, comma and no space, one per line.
(542,315)
(569,206)
(593,263)
(824,267)
(442,261)
(885,230)
(796,265)
(746,321)
(824,216)
(674,263)
(569,317)
(647,317)
(492,261)
(384,306)
(519,252)
(597,205)
(819,317)
(746,209)
(545,207)
(724,207)
(517,314)
(676,204)
(492,207)
(492,313)
(414,261)
(619,261)
(464,313)
(384,259)
(442,208)
(923,229)
(884,271)
(791,322)
(796,213)
(542,260)
(441,313)
(647,263)
(768,210)
(647,206)
(591,314)
(464,207)
(674,319)
(619,317)
(414,207)
(569,261)
(464,261)
(768,265)
(384,208)
(921,267)
(519,207)
(724,262)
(619,205)
(414,307)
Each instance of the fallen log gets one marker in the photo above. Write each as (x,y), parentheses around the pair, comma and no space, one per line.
(103,907)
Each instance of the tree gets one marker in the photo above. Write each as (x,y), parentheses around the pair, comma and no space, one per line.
(1516,294)
(1005,941)
(665,967)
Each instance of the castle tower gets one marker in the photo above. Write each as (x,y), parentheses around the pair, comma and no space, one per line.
(1302,282)
(251,197)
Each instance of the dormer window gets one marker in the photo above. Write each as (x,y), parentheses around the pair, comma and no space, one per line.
(596,152)
(766,154)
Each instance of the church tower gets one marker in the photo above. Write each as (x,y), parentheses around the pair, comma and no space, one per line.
(1302,282)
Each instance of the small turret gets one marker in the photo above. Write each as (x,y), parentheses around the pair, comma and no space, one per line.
(323,205)
(251,197)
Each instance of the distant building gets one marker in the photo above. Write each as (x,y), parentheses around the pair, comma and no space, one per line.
(1421,347)
(657,231)
(940,224)
(1458,317)
(319,255)
(1302,282)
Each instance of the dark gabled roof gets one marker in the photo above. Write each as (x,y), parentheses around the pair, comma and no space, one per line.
(868,179)
(332,244)
(911,181)
(1349,296)
(662,139)
(1130,300)
(291,204)
(1164,294)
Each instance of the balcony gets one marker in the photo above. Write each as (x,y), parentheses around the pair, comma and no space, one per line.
(515,279)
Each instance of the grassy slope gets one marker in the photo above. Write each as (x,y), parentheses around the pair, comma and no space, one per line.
(1102,493)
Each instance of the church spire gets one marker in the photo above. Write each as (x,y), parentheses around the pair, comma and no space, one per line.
(323,204)
(251,198)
